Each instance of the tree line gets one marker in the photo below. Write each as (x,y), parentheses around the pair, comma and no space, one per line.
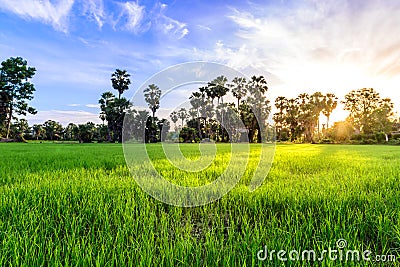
(371,118)
(221,110)
(245,119)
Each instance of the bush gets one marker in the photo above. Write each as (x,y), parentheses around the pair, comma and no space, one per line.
(326,141)
(356,137)
(361,137)
(369,141)
(395,142)
(396,136)
(284,136)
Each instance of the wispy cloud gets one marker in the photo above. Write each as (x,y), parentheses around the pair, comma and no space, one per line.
(94,9)
(131,15)
(92,105)
(54,13)
(203,27)
(87,105)
(137,19)
(168,25)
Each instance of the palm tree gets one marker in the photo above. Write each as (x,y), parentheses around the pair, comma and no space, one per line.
(120,81)
(192,113)
(318,100)
(257,84)
(217,86)
(259,105)
(107,104)
(182,114)
(330,104)
(292,117)
(207,90)
(174,117)
(140,122)
(197,101)
(280,103)
(152,95)
(306,115)
(238,88)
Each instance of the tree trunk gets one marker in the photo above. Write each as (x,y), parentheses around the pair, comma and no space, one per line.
(259,139)
(199,128)
(9,121)
(292,131)
(108,134)
(327,122)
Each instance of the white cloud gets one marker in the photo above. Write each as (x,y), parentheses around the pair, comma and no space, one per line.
(55,14)
(203,27)
(64,117)
(87,105)
(170,26)
(94,9)
(133,15)
(92,105)
(245,20)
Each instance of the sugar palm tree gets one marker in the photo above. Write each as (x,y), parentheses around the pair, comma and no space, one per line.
(174,117)
(182,114)
(152,95)
(120,81)
(331,102)
(318,101)
(217,86)
(280,103)
(238,86)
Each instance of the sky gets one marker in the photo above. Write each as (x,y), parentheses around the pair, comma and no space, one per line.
(299,46)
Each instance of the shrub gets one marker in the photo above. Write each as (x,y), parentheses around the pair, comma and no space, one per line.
(395,142)
(396,136)
(326,141)
(369,141)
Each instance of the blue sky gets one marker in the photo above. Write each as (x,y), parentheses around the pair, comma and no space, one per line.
(300,46)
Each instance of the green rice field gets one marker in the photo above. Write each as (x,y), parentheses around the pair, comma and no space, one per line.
(78,205)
